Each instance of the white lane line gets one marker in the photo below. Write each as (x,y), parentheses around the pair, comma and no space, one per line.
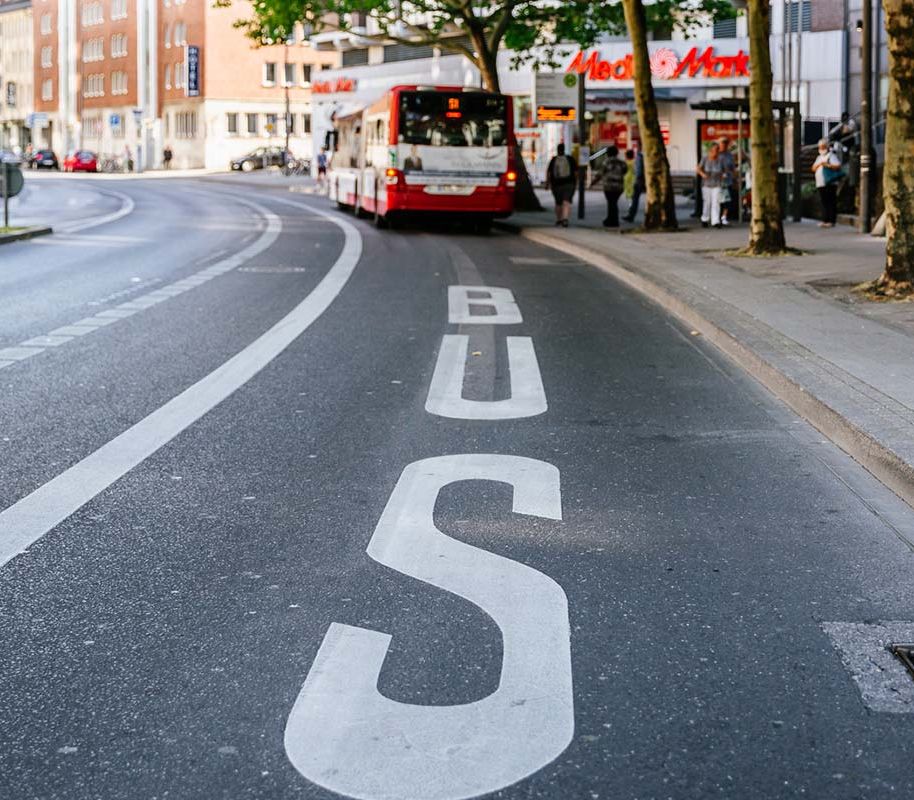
(127,206)
(528,398)
(18,353)
(460,305)
(33,516)
(882,680)
(154,296)
(344,735)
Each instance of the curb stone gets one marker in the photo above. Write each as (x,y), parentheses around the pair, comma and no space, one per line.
(25,233)
(876,456)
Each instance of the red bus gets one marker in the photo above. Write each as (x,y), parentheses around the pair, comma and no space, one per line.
(426,149)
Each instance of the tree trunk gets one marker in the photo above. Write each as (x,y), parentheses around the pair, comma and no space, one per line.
(660,211)
(898,180)
(525,198)
(767,231)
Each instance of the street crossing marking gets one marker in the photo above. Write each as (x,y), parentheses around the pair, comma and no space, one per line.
(33,516)
(460,306)
(344,735)
(528,398)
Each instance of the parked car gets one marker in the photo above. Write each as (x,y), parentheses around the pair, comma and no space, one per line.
(9,157)
(259,159)
(44,159)
(81,161)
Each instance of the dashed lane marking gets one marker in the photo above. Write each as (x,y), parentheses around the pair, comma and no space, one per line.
(128,308)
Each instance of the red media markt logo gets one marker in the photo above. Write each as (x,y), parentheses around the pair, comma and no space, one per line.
(664,63)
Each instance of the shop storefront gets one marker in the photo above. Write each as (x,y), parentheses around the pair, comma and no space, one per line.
(684,73)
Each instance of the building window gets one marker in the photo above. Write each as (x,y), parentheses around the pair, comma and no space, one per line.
(269,74)
(167,37)
(93,50)
(288,74)
(179,76)
(47,89)
(47,57)
(92,127)
(118,9)
(271,124)
(119,45)
(792,15)
(253,127)
(290,124)
(168,76)
(306,123)
(92,14)
(118,82)
(356,58)
(186,125)
(45,24)
(94,85)
(306,74)
(231,124)
(180,37)
(725,28)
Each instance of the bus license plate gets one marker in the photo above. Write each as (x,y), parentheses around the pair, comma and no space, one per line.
(449,188)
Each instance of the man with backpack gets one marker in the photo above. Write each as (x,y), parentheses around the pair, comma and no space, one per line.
(561,178)
(613,178)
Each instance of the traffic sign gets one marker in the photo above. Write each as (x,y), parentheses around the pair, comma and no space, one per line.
(12,179)
(138,115)
(115,120)
(556,96)
(37,119)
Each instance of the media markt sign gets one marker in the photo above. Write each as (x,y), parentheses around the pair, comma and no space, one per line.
(698,63)
(556,96)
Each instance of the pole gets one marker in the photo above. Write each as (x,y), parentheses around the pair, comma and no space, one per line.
(6,195)
(866,120)
(285,83)
(582,132)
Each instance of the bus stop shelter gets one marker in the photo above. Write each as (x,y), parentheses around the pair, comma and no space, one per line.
(739,108)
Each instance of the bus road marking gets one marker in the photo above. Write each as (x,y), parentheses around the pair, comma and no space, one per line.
(460,306)
(528,398)
(344,735)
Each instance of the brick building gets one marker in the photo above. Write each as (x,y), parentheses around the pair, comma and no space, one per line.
(131,76)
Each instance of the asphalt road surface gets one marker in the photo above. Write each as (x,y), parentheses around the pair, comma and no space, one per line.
(290,512)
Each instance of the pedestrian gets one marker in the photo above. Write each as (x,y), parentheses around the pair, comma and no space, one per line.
(728,181)
(638,185)
(167,155)
(613,178)
(322,167)
(827,168)
(128,159)
(561,177)
(710,169)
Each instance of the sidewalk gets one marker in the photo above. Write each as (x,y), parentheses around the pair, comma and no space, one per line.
(843,363)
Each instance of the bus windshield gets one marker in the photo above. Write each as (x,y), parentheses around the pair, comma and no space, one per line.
(455,119)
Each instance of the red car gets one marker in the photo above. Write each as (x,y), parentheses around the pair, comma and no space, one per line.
(81,161)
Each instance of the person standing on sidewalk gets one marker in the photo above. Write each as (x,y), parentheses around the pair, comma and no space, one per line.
(728,182)
(710,169)
(827,168)
(613,179)
(167,155)
(561,178)
(638,185)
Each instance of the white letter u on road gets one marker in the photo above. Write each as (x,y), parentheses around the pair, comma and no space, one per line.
(344,735)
